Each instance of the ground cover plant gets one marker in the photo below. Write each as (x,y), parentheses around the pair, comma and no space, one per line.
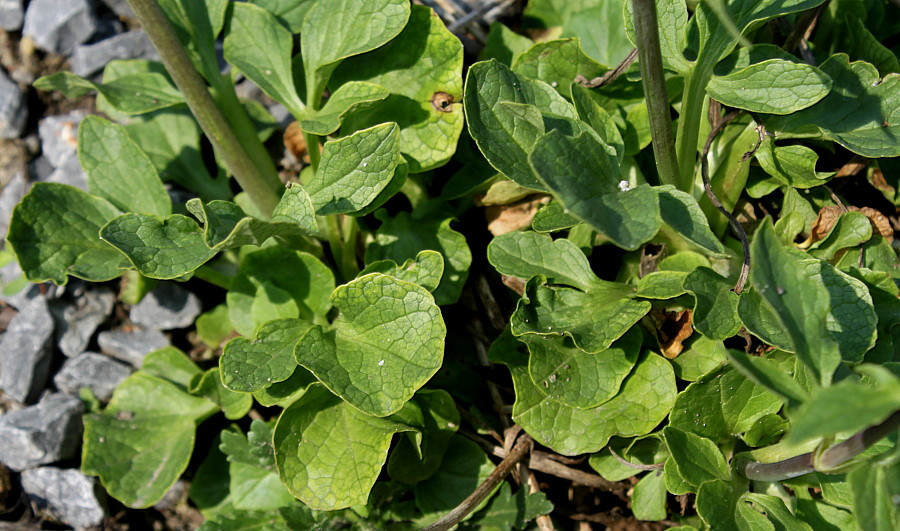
(696,307)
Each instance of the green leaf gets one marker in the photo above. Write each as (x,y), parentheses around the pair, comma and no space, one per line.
(585,180)
(503,136)
(680,211)
(800,304)
(527,254)
(130,94)
(567,374)
(662,285)
(171,138)
(776,510)
(823,516)
(648,500)
(793,165)
(698,458)
(161,248)
(253,481)
(355,169)
(142,442)
(609,45)
(851,320)
(715,307)
(329,454)
(592,113)
(422,68)
(277,283)
(717,504)
(504,44)
(350,97)
(552,218)
(425,270)
(507,511)
(672,19)
(402,237)
(250,365)
(260,47)
(465,466)
(643,401)
(722,405)
(702,357)
(172,365)
(197,24)
(283,394)
(593,319)
(775,86)
(548,13)
(290,12)
(409,463)
(209,386)
(850,230)
(873,496)
(333,31)
(51,242)
(387,342)
(117,169)
(214,327)
(767,373)
(557,63)
(226,226)
(861,113)
(847,406)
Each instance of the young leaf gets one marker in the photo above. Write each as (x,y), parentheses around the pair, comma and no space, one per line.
(585,180)
(463,469)
(402,237)
(387,342)
(504,44)
(274,283)
(505,137)
(328,453)
(411,464)
(793,165)
(209,386)
(643,401)
(507,511)
(118,170)
(592,113)
(680,211)
(662,285)
(350,97)
(672,19)
(850,230)
(290,12)
(767,373)
(355,169)
(335,30)
(648,501)
(567,374)
(557,63)
(197,24)
(800,304)
(698,459)
(162,248)
(251,365)
(552,218)
(130,94)
(861,113)
(776,510)
(422,69)
(425,270)
(527,254)
(874,489)
(775,86)
(52,242)
(260,48)
(593,319)
(715,307)
(283,394)
(143,440)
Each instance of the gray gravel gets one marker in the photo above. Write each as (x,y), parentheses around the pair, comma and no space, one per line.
(41,434)
(25,352)
(58,26)
(98,372)
(88,59)
(166,307)
(77,321)
(11,15)
(13,111)
(131,345)
(66,496)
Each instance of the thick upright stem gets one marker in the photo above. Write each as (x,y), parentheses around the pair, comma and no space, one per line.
(647,32)
(689,125)
(260,187)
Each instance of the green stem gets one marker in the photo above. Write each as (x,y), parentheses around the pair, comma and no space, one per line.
(349,266)
(196,93)
(333,232)
(312,147)
(689,125)
(647,33)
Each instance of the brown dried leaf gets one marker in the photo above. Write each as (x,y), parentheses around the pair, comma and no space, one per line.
(514,283)
(825,221)
(856,165)
(672,328)
(878,181)
(295,142)
(880,222)
(508,218)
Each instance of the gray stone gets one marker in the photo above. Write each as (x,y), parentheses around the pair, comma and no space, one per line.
(89,59)
(59,137)
(40,168)
(119,7)
(13,111)
(77,321)
(69,172)
(47,432)
(132,345)
(64,495)
(59,25)
(98,372)
(11,15)
(25,351)
(12,193)
(11,276)
(166,307)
